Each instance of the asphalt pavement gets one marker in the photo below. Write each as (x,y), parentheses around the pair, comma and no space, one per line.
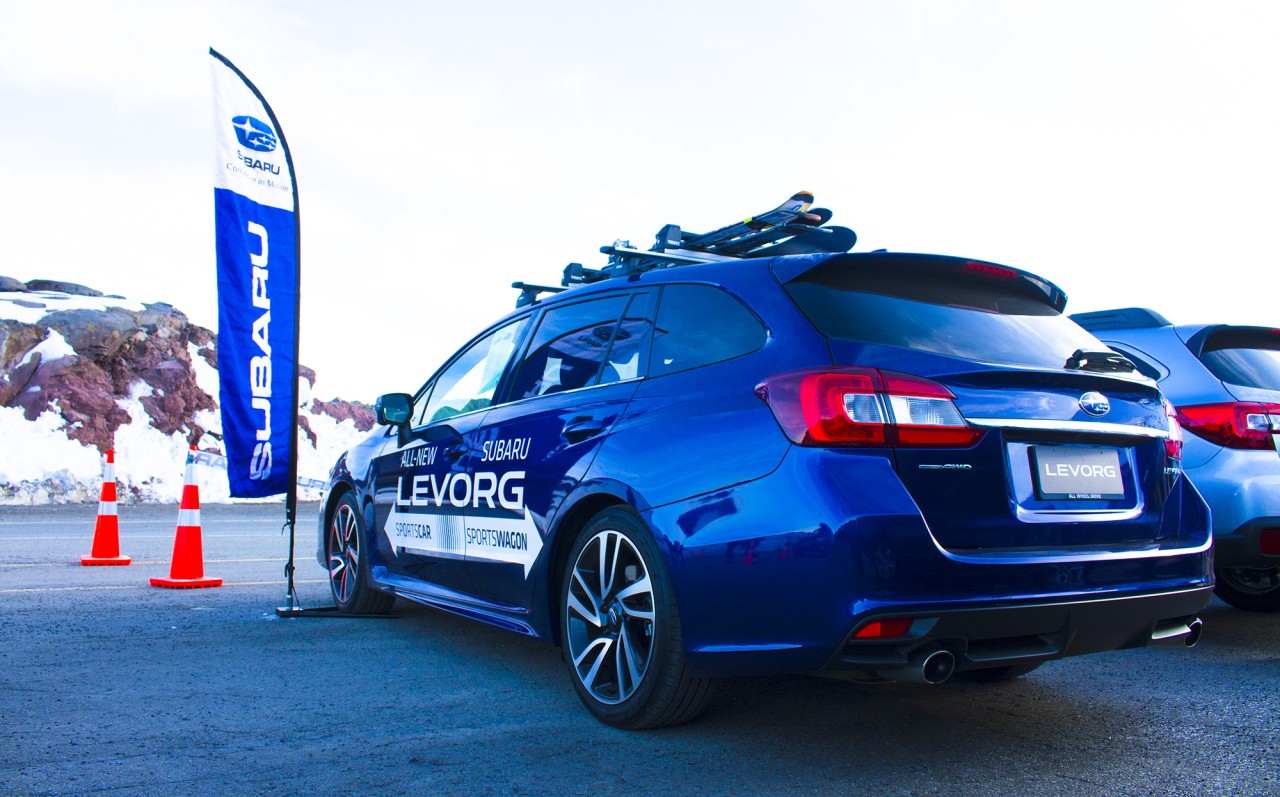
(110,686)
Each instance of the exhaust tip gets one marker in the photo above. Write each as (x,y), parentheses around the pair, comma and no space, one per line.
(1194,629)
(938,666)
(925,667)
(1178,634)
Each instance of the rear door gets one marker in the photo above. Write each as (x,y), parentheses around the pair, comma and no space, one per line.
(575,379)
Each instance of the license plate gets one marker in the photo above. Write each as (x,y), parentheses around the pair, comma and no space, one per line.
(1077,474)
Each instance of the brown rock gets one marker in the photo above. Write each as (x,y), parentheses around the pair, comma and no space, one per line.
(115,349)
(361,414)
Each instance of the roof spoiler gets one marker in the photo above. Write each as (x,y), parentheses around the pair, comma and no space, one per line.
(1123,318)
(1225,336)
(791,268)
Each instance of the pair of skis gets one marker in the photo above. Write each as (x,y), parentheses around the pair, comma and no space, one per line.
(794,227)
(792,220)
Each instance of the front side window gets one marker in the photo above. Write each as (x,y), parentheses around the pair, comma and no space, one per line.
(569,348)
(470,380)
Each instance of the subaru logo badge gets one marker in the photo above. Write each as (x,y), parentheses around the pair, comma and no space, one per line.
(1095,403)
(254,134)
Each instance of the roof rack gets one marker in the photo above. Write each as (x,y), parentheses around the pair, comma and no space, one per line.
(529,293)
(789,229)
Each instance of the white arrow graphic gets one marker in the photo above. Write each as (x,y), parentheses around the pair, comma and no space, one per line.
(491,539)
(425,533)
(498,539)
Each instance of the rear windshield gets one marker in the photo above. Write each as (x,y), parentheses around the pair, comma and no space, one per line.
(1244,356)
(973,318)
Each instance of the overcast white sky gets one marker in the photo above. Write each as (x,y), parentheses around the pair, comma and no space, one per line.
(1125,150)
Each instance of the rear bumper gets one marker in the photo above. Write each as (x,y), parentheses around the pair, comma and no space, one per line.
(998,636)
(1242,487)
(1243,546)
(774,575)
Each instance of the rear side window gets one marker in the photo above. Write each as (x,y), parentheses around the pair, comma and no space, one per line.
(1245,357)
(569,348)
(699,325)
(924,309)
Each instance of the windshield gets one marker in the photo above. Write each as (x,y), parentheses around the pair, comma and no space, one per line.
(962,316)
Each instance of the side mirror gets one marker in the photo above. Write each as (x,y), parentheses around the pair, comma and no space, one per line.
(395,409)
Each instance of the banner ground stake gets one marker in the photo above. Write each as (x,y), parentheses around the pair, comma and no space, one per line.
(294,609)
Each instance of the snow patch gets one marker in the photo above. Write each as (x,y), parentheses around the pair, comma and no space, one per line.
(206,375)
(36,449)
(54,347)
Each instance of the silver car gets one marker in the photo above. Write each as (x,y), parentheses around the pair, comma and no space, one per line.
(1225,382)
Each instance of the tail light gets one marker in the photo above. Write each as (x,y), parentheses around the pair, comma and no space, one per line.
(1173,443)
(1233,424)
(865,407)
(885,629)
(1269,542)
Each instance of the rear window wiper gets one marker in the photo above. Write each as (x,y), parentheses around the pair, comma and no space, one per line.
(1106,361)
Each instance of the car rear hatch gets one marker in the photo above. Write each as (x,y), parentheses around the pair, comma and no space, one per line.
(1070,446)
(1247,361)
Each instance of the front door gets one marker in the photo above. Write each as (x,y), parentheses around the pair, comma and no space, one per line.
(424,488)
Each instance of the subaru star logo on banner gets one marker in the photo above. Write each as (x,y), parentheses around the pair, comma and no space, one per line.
(256,210)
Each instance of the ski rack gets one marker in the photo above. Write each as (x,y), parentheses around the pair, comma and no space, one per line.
(789,229)
(529,293)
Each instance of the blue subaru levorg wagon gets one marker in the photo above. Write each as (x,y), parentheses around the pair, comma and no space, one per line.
(717,457)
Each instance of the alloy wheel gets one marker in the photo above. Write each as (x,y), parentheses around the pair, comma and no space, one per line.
(609,617)
(344,553)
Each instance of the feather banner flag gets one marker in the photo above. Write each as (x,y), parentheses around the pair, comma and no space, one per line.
(256,215)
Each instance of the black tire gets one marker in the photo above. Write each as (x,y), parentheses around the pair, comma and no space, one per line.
(620,631)
(344,548)
(991,675)
(1250,589)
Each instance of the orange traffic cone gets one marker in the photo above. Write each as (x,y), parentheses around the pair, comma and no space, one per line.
(106,531)
(187,570)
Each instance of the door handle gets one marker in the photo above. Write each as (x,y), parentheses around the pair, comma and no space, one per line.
(454,451)
(579,429)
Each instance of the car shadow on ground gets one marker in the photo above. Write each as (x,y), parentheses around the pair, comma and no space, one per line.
(462,706)
(1065,706)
